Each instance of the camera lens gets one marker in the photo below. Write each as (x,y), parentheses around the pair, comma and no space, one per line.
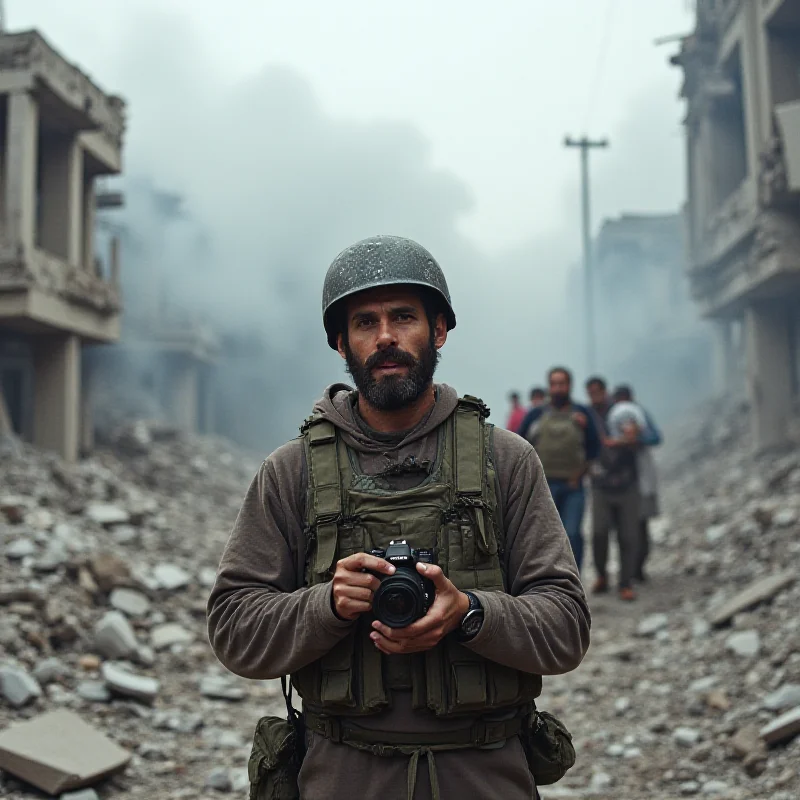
(399,600)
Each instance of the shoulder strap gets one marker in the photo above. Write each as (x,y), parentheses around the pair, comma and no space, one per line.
(324,487)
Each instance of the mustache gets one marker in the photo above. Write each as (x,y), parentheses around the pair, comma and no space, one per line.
(392,354)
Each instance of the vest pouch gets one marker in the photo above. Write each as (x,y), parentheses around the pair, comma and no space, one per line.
(275,761)
(455,679)
(548,747)
(329,680)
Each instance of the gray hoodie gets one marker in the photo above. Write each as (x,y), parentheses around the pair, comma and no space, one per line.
(263,622)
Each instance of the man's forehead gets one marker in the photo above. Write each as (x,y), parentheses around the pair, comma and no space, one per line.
(370,299)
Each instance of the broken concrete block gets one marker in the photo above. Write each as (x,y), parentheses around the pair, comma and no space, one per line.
(756,593)
(49,670)
(221,688)
(130,602)
(114,637)
(171,577)
(129,684)
(167,635)
(106,514)
(18,687)
(745,644)
(785,727)
(83,794)
(786,696)
(58,752)
(93,692)
(652,624)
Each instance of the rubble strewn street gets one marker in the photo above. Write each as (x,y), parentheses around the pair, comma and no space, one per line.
(107,564)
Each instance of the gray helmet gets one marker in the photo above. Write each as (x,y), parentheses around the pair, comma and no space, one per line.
(381,261)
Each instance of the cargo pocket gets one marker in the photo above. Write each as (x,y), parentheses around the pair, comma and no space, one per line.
(548,747)
(274,763)
(455,679)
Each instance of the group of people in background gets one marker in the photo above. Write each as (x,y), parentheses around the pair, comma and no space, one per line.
(604,445)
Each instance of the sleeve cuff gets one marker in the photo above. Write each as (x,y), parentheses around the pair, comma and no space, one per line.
(323,610)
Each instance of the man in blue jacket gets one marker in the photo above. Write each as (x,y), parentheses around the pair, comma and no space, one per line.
(566,439)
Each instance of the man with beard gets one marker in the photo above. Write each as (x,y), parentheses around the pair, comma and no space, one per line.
(399,462)
(566,440)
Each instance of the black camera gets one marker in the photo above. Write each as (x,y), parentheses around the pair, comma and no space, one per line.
(405,596)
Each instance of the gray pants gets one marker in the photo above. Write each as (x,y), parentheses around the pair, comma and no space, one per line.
(620,511)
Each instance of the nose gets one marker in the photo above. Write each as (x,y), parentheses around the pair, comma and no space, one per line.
(386,335)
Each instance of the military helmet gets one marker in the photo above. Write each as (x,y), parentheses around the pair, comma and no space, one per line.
(381,261)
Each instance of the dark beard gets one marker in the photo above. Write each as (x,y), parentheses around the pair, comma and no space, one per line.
(393,392)
(559,400)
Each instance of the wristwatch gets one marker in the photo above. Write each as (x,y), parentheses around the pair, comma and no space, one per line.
(472,621)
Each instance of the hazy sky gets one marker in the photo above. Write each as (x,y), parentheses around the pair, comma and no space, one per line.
(294,128)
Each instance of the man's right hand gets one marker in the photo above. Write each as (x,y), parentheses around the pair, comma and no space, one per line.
(352,588)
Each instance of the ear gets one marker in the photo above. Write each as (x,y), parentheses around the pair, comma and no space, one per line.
(340,345)
(440,331)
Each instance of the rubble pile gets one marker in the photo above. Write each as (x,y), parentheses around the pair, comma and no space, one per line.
(106,567)
(105,572)
(695,689)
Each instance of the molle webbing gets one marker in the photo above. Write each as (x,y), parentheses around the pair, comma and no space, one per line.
(325,492)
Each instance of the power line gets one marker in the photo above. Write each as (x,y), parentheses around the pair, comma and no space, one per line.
(600,62)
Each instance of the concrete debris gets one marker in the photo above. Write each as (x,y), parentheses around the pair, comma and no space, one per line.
(122,681)
(18,687)
(785,727)
(20,548)
(109,571)
(114,637)
(686,737)
(220,779)
(83,794)
(107,515)
(787,696)
(50,670)
(170,634)
(651,625)
(130,602)
(746,644)
(222,688)
(759,591)
(58,752)
(171,577)
(93,692)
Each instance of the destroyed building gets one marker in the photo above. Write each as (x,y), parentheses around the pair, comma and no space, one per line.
(741,70)
(648,331)
(58,132)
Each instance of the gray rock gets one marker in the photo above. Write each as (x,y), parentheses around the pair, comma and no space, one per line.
(715,533)
(785,727)
(615,751)
(177,721)
(8,634)
(621,705)
(171,577)
(20,548)
(600,781)
(18,687)
(121,681)
(49,670)
(714,788)
(170,634)
(130,602)
(124,534)
(652,624)
(114,637)
(221,688)
(208,577)
(703,685)
(784,518)
(700,628)
(83,794)
(220,779)
(54,557)
(106,514)
(686,737)
(145,656)
(93,692)
(787,696)
(689,787)
(745,644)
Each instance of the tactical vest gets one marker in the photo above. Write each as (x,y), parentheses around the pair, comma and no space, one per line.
(559,443)
(454,509)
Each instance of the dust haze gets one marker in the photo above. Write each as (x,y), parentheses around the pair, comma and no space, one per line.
(272,184)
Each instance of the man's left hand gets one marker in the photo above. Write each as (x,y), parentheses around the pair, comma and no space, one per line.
(445,615)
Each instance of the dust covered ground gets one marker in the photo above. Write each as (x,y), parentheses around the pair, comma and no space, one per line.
(109,562)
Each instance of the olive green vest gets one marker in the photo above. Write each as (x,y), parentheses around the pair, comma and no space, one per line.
(454,509)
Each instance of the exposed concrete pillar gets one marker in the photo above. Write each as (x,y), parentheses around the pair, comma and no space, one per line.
(62,199)
(182,392)
(87,254)
(22,135)
(769,372)
(724,357)
(57,390)
(88,377)
(753,70)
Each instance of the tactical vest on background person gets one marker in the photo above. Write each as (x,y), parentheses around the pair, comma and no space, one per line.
(559,443)
(453,509)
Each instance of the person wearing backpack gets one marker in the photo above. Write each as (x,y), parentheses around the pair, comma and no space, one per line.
(566,440)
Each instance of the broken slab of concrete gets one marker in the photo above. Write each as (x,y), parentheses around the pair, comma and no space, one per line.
(17,687)
(121,681)
(58,752)
(756,593)
(782,728)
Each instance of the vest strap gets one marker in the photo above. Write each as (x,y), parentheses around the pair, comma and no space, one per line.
(324,491)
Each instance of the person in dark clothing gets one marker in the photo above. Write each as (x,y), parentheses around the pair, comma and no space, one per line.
(538,397)
(566,439)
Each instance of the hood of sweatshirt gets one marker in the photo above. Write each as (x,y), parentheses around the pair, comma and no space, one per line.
(337,405)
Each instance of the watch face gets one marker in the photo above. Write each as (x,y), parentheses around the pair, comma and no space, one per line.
(472,624)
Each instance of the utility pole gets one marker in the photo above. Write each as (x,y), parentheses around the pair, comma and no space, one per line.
(585,144)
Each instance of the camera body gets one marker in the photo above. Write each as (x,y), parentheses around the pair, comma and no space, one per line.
(405,596)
